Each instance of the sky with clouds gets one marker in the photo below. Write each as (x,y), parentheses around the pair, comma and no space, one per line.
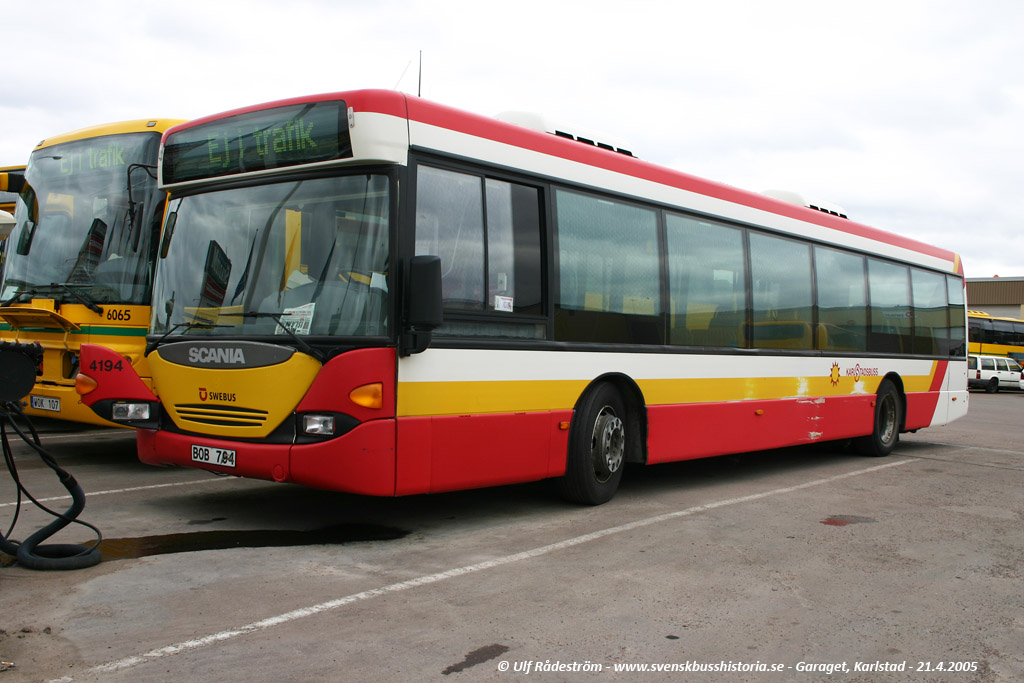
(906,113)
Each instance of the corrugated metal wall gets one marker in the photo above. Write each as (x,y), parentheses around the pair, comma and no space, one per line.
(1000,291)
(1001,296)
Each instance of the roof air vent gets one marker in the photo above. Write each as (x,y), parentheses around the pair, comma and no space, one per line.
(794,198)
(537,122)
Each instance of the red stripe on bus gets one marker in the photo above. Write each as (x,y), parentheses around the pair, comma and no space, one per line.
(422,111)
(491,129)
(939,376)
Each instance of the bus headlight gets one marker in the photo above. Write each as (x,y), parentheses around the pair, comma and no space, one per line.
(127,412)
(321,425)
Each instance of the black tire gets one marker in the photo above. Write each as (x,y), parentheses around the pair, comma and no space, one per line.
(597,447)
(993,386)
(888,421)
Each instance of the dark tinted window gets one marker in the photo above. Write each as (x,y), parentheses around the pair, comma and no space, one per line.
(780,277)
(931,312)
(707,283)
(957,315)
(889,292)
(513,247)
(609,275)
(842,300)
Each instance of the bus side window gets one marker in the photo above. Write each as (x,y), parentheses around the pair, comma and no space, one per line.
(781,284)
(957,312)
(842,300)
(891,323)
(609,284)
(513,248)
(931,321)
(487,233)
(450,224)
(707,283)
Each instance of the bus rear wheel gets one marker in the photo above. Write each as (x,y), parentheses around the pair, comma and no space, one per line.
(888,419)
(597,448)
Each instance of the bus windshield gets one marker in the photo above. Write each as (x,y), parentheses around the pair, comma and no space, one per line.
(84,223)
(306,257)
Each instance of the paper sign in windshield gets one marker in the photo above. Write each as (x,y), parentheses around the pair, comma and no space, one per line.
(299,319)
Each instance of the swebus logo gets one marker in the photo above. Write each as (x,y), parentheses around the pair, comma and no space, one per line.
(215,395)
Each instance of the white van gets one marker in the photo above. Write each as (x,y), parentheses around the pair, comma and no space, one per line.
(992,372)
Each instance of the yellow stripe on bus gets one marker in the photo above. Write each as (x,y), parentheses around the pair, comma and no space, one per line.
(477,397)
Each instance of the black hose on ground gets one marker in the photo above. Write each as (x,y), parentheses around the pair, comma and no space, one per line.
(30,552)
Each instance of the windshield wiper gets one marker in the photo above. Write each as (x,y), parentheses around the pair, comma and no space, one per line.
(89,303)
(276,317)
(151,346)
(28,290)
(39,289)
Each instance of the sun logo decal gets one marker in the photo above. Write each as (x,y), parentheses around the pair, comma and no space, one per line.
(834,377)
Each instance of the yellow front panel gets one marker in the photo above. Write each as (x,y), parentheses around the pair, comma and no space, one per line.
(61,331)
(244,402)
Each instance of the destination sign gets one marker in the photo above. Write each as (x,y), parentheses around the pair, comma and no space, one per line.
(258,141)
(99,156)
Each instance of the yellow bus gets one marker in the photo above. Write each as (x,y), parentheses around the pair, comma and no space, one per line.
(11,180)
(991,335)
(79,258)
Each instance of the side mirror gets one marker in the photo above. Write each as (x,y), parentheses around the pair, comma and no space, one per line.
(25,241)
(423,303)
(165,244)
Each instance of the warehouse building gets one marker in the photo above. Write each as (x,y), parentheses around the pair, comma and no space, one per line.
(997,296)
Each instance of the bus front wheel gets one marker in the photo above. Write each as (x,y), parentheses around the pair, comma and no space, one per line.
(597,447)
(888,419)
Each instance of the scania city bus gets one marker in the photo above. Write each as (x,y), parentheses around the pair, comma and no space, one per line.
(79,260)
(369,292)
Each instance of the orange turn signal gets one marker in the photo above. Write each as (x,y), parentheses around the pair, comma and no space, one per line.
(368,395)
(84,384)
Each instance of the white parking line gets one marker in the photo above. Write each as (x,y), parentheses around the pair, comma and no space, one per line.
(213,638)
(130,489)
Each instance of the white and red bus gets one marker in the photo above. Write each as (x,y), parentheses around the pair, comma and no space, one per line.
(369,292)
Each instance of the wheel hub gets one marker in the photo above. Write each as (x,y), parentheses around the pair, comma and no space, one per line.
(608,446)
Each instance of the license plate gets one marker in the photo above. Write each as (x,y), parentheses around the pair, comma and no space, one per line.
(208,455)
(45,403)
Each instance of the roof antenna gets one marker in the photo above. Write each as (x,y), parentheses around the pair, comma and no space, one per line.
(419,85)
